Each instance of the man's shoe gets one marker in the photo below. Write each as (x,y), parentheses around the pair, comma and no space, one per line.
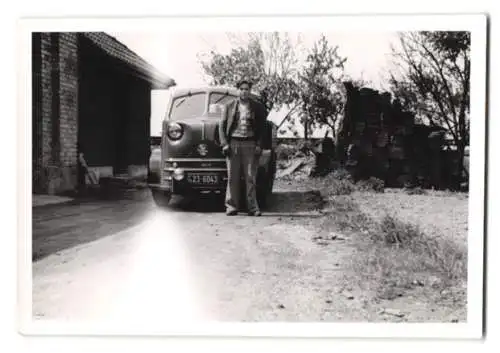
(231,213)
(255,213)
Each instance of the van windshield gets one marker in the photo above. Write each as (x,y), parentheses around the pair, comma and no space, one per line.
(188,106)
(217,102)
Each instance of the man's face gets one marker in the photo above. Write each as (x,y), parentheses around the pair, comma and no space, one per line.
(244,91)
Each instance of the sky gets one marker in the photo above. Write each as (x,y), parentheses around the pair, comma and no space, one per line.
(177,54)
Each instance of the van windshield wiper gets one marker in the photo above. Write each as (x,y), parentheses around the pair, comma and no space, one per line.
(221,98)
(180,101)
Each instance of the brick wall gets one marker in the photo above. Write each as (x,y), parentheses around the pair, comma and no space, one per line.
(36,66)
(68,93)
(68,98)
(55,117)
(42,103)
(82,96)
(46,70)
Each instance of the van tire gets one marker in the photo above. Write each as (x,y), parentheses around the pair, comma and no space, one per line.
(161,198)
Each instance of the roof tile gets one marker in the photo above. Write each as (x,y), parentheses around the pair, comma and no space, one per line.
(118,50)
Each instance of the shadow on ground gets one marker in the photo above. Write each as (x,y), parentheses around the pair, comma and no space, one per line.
(281,203)
(295,202)
(59,227)
(202,204)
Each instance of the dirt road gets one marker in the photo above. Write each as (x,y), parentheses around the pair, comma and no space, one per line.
(128,261)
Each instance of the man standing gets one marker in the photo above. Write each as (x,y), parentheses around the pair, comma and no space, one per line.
(241,133)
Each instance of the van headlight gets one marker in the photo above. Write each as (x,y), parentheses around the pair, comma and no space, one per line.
(178,174)
(174,131)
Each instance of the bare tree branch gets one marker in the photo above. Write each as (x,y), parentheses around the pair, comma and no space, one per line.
(427,73)
(444,81)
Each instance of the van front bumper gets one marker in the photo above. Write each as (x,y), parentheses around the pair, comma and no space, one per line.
(160,187)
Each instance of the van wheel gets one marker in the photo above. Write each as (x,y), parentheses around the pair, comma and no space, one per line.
(161,198)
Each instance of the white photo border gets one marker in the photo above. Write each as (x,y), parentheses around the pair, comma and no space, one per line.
(476,24)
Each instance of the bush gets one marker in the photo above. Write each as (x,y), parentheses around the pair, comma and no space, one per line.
(371,184)
(305,147)
(341,174)
(285,152)
(341,187)
(334,185)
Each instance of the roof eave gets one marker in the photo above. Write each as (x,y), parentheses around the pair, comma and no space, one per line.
(140,67)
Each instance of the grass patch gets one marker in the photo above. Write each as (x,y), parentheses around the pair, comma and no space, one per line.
(414,191)
(343,214)
(337,183)
(439,255)
(394,255)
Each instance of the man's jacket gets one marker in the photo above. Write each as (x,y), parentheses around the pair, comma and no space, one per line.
(230,120)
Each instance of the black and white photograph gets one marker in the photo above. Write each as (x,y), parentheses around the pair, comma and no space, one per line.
(254,176)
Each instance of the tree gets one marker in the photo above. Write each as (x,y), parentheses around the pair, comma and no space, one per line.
(432,79)
(320,95)
(268,60)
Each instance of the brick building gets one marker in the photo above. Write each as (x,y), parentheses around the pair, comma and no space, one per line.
(90,94)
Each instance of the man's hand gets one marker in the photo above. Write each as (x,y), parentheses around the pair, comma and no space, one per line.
(258,150)
(226,151)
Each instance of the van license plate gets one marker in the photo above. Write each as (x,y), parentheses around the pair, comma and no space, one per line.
(203,179)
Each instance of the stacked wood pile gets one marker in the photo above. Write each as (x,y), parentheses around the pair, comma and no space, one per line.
(324,153)
(378,139)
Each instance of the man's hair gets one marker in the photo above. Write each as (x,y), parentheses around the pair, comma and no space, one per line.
(242,82)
